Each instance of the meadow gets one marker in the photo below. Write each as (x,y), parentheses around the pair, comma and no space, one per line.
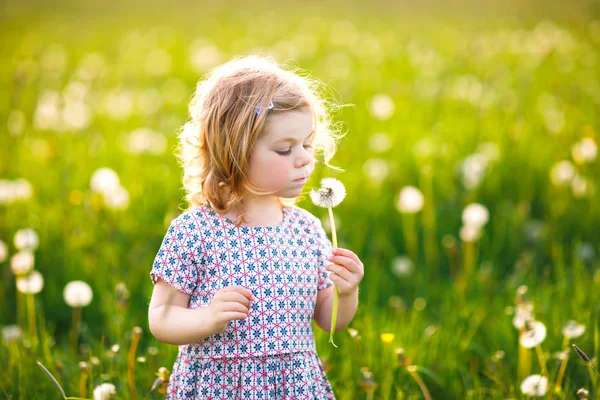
(470,161)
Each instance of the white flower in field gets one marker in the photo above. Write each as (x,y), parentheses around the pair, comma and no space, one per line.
(402,266)
(561,173)
(573,330)
(534,335)
(473,170)
(523,315)
(469,233)
(534,385)
(32,283)
(380,142)
(145,140)
(583,393)
(118,104)
(381,107)
(104,391)
(104,180)
(410,200)
(22,262)
(76,115)
(204,55)
(26,239)
(77,294)
(11,333)
(475,215)
(3,251)
(584,151)
(330,194)
(579,186)
(376,170)
(117,199)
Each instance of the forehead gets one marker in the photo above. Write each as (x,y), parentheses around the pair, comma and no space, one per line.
(289,125)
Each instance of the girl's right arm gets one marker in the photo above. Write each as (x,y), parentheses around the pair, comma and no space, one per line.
(172,322)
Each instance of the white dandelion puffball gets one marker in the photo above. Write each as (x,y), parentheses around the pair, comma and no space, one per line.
(381,107)
(475,215)
(30,284)
(469,233)
(523,315)
(585,150)
(77,294)
(410,200)
(534,385)
(3,251)
(22,262)
(11,333)
(104,391)
(561,173)
(104,180)
(534,335)
(26,239)
(402,266)
(117,199)
(330,194)
(573,330)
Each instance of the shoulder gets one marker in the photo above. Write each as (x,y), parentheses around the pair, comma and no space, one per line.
(190,220)
(304,217)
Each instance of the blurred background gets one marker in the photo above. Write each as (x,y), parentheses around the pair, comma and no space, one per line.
(470,162)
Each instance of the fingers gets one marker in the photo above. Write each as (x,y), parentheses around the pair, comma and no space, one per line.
(341,271)
(235,297)
(239,289)
(233,306)
(338,251)
(346,262)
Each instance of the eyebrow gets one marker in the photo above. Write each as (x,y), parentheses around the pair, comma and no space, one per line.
(292,139)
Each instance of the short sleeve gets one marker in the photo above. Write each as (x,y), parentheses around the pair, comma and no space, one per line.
(175,261)
(323,251)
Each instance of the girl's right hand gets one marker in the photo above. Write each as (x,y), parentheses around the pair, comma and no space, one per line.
(230,303)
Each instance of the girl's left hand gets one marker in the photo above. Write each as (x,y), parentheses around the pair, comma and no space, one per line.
(347,272)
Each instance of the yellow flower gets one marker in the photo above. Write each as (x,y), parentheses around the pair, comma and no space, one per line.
(387,338)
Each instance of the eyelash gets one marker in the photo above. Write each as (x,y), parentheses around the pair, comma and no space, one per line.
(289,151)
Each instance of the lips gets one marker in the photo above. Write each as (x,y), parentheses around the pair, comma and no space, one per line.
(301,179)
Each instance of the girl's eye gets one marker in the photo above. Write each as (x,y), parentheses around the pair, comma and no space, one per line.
(285,153)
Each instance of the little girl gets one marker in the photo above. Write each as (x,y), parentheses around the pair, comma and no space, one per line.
(242,272)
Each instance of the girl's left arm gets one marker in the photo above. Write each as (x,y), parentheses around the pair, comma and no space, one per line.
(346,273)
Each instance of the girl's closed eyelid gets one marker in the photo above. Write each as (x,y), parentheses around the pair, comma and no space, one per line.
(289,151)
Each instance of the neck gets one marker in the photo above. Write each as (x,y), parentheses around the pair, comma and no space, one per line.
(260,210)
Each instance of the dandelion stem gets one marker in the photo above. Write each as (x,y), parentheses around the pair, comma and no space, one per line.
(541,360)
(137,332)
(419,381)
(31,314)
(563,367)
(75,328)
(336,294)
(524,366)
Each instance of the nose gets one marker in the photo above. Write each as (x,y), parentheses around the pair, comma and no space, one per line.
(304,158)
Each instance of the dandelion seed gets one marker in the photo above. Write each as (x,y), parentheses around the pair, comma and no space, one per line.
(573,330)
(535,385)
(534,335)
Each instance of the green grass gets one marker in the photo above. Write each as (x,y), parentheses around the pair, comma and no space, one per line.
(529,85)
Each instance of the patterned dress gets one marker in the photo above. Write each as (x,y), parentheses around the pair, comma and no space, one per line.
(271,354)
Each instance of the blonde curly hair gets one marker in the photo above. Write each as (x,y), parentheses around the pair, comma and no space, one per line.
(216,142)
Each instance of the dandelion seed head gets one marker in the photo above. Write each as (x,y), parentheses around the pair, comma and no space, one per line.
(22,262)
(330,194)
(573,330)
(534,385)
(534,335)
(104,391)
(410,200)
(475,215)
(26,239)
(77,294)
(31,283)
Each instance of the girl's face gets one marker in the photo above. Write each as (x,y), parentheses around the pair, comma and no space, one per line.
(282,158)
